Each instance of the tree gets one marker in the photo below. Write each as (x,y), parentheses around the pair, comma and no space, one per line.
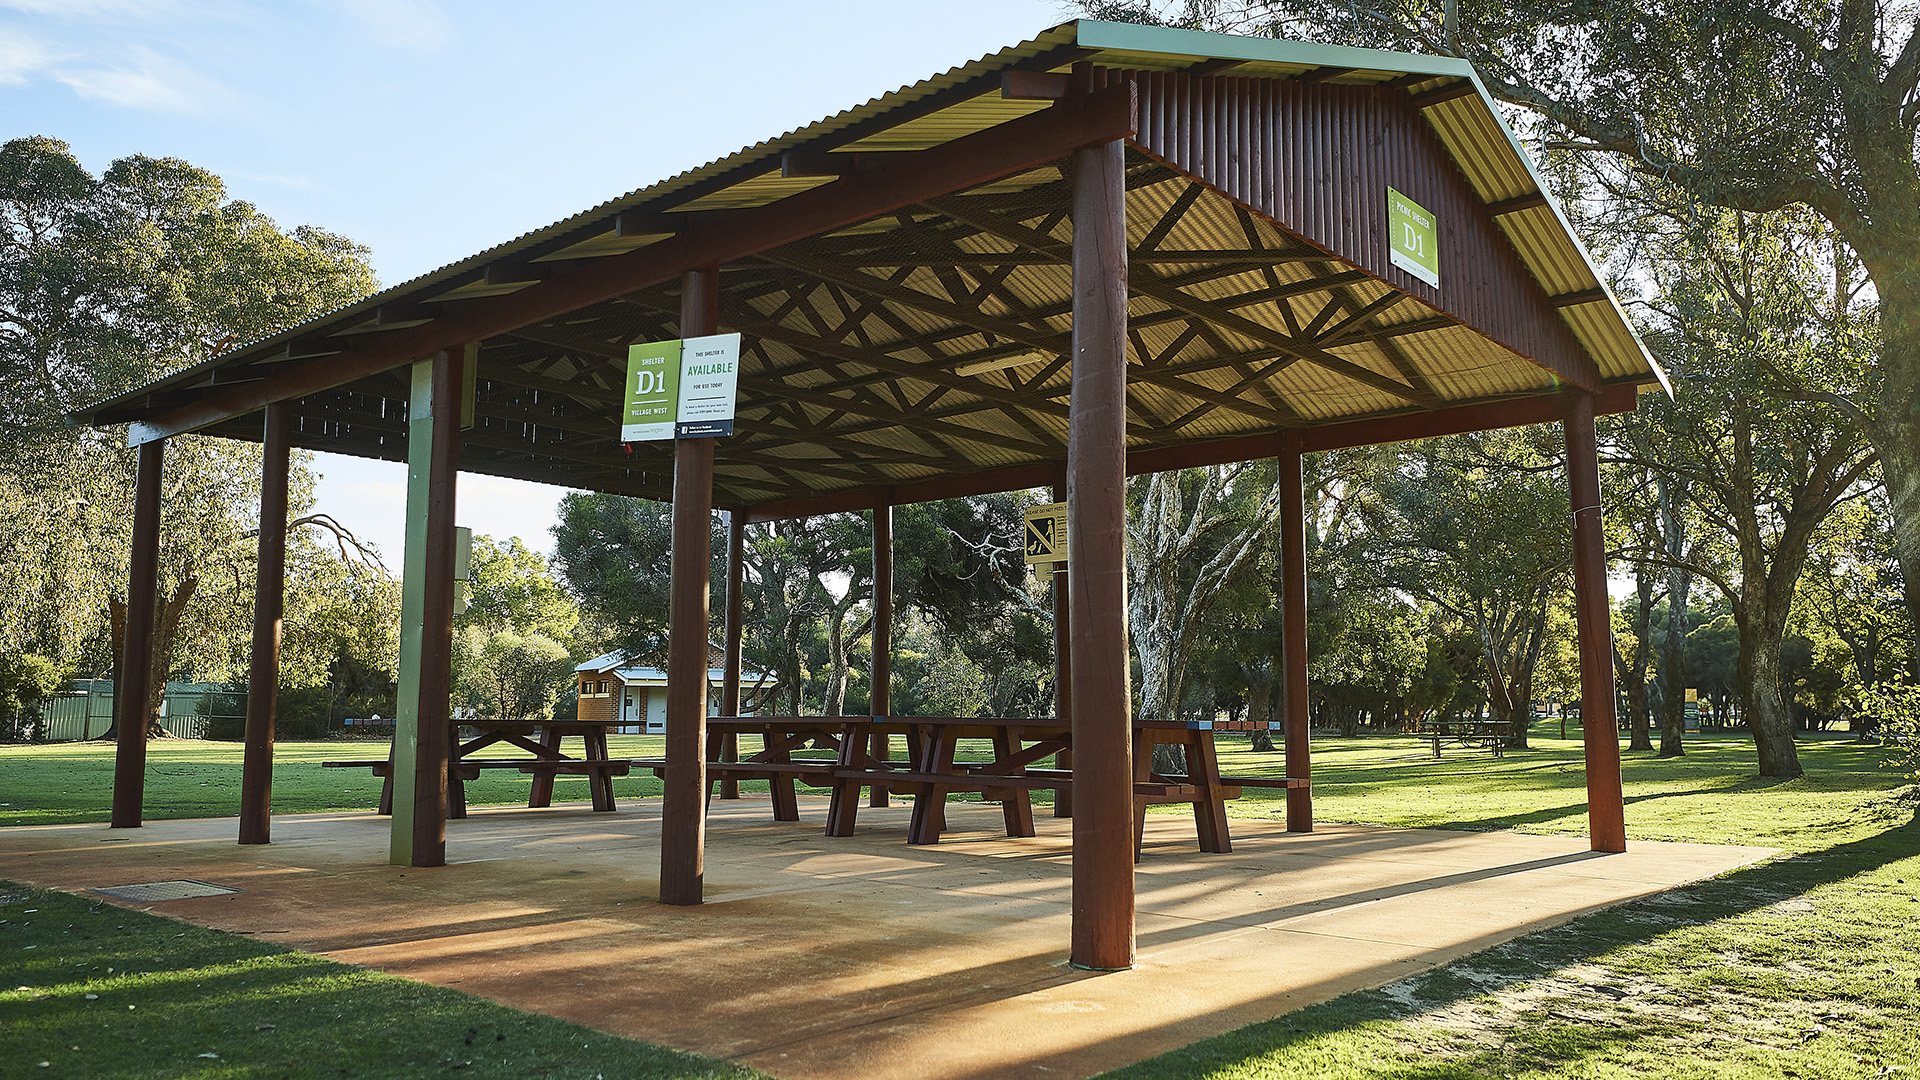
(1738,301)
(26,680)
(105,283)
(513,588)
(1744,105)
(516,676)
(1476,525)
(1190,535)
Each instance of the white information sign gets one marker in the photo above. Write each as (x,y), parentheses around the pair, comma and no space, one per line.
(709,380)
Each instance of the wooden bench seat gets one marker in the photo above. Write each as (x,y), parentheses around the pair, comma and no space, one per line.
(572,767)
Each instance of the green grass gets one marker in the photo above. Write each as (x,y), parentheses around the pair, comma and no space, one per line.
(93,990)
(1802,967)
(60,783)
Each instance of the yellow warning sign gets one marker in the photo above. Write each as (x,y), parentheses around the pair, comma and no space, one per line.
(1047,533)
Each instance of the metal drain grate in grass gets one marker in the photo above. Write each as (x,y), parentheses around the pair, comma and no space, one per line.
(184,889)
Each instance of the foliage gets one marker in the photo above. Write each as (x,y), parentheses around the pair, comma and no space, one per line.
(514,588)
(1474,525)
(1743,106)
(512,676)
(105,283)
(26,680)
(1894,708)
(613,553)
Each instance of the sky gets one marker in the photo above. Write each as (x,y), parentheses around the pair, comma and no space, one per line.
(429,131)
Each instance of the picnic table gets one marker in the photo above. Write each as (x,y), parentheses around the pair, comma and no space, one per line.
(1470,735)
(931,769)
(542,739)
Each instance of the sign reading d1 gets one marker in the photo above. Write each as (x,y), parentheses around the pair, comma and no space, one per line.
(653,384)
(709,380)
(1413,238)
(681,389)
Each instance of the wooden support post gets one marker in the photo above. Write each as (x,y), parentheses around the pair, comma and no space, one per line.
(880,702)
(730,666)
(269,595)
(423,727)
(1062,670)
(683,811)
(1599,726)
(136,648)
(1293,639)
(1103,898)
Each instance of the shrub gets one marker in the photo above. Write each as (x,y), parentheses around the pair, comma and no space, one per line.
(26,680)
(1893,710)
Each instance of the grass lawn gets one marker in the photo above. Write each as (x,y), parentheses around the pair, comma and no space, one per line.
(93,990)
(1807,966)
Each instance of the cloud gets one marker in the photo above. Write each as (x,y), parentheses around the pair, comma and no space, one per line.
(22,57)
(151,81)
(402,24)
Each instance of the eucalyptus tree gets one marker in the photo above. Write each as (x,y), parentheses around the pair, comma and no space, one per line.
(107,282)
(1737,299)
(1476,526)
(1744,105)
(1191,535)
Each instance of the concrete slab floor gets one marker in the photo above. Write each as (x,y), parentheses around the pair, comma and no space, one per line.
(829,959)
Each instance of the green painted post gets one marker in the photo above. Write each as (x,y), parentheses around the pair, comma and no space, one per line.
(421,732)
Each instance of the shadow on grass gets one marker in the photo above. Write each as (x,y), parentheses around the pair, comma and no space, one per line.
(1579,809)
(112,993)
(1291,1043)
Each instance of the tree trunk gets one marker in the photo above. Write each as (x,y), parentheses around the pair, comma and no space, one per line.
(1633,669)
(1260,706)
(1895,432)
(840,641)
(1767,713)
(1672,493)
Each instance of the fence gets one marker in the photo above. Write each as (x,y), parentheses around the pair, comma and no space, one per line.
(86,711)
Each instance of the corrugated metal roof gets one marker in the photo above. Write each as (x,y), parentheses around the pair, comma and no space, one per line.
(854,346)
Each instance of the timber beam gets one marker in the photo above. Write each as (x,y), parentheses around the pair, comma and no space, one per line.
(1456,420)
(1004,150)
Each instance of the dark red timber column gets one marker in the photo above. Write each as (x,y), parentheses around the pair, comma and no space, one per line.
(136,647)
(1293,642)
(1103,898)
(1062,668)
(269,602)
(881,703)
(730,669)
(683,811)
(1599,726)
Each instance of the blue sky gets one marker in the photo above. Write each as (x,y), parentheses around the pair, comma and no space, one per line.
(431,130)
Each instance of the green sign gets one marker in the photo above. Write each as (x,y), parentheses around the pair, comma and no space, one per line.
(653,385)
(1413,239)
(682,389)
